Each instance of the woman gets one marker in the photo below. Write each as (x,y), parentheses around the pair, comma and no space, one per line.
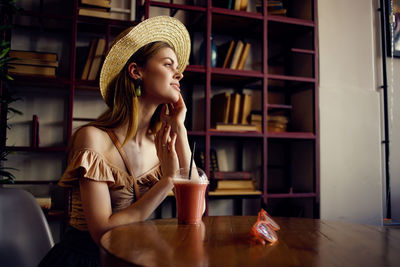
(121,165)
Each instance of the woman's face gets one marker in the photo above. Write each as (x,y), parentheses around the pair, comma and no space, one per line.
(161,77)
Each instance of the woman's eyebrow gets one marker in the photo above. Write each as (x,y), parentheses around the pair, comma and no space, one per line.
(173,62)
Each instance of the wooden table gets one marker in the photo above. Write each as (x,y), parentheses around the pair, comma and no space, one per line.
(225,241)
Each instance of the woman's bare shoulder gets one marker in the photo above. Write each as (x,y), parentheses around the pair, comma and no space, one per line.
(90,137)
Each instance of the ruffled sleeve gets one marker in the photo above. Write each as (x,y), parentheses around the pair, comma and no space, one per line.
(149,179)
(87,164)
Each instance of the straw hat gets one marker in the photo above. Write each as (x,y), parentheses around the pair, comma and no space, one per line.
(161,28)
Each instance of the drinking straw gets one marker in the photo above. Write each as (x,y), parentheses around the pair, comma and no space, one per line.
(191,160)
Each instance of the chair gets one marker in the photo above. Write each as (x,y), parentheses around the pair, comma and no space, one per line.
(25,236)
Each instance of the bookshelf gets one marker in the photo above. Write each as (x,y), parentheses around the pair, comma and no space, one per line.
(283,59)
(286,164)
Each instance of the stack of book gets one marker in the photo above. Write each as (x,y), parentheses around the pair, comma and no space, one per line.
(33,63)
(230,180)
(233,54)
(89,69)
(256,119)
(276,8)
(230,112)
(239,5)
(95,8)
(277,123)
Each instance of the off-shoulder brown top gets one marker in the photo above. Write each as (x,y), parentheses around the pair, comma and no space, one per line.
(86,163)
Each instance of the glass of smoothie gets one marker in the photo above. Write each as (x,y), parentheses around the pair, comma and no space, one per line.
(190,194)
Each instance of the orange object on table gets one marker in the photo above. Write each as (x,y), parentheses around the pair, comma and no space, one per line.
(264,228)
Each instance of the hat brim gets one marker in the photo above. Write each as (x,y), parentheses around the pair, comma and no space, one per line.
(161,28)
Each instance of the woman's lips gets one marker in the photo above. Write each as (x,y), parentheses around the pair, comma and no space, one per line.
(176,86)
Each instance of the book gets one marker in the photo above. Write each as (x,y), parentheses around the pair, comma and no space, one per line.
(220,108)
(44,202)
(234,108)
(237,4)
(33,55)
(255,117)
(98,3)
(243,5)
(234,184)
(213,161)
(236,54)
(35,62)
(245,108)
(199,158)
(231,175)
(243,56)
(35,131)
(97,59)
(230,127)
(222,156)
(32,70)
(277,12)
(89,59)
(94,12)
(82,53)
(222,51)
(229,53)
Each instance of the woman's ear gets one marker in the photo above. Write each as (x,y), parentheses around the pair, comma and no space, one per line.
(134,71)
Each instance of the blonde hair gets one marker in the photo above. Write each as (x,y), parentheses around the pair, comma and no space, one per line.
(121,99)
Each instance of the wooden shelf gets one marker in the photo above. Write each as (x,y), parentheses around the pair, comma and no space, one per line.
(288,20)
(40,80)
(214,132)
(237,13)
(279,106)
(292,78)
(35,182)
(302,51)
(106,22)
(292,195)
(196,133)
(45,15)
(55,214)
(235,192)
(178,6)
(58,149)
(291,135)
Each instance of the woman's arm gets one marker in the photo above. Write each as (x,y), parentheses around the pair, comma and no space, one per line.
(96,200)
(176,118)
(97,206)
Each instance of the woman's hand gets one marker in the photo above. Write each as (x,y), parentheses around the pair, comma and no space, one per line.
(176,116)
(165,145)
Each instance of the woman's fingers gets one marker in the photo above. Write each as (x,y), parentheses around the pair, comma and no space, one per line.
(172,142)
(165,137)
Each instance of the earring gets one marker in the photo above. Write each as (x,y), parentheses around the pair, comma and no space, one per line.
(138,90)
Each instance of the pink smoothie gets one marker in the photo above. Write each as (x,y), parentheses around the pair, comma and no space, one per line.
(189,196)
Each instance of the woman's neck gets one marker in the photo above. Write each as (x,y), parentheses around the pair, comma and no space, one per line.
(146,111)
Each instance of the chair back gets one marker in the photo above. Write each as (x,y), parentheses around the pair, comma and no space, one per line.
(25,236)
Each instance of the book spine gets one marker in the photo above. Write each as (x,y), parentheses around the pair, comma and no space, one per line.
(213,161)
(35,131)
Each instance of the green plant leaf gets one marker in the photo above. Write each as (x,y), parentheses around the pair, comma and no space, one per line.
(4,52)
(9,77)
(16,111)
